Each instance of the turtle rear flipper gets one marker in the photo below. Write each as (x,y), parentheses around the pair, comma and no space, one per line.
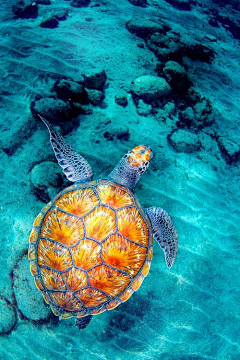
(82,323)
(74,166)
(164,232)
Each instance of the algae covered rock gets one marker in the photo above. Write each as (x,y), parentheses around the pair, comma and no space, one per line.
(8,317)
(149,87)
(95,97)
(166,46)
(45,178)
(145,27)
(143,108)
(230,149)
(176,76)
(16,131)
(184,141)
(51,108)
(28,298)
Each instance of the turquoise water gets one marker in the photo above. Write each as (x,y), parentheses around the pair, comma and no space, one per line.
(191,122)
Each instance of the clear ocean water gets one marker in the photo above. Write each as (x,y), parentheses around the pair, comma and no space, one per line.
(109,76)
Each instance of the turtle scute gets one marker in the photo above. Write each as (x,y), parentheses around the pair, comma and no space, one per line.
(90,249)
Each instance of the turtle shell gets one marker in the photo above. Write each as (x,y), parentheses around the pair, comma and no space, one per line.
(90,248)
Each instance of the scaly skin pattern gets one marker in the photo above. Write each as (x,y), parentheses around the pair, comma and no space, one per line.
(90,249)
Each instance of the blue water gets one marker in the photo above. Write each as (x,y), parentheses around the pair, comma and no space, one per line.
(191,311)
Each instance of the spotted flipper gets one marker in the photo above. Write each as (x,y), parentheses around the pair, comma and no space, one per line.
(82,323)
(132,165)
(74,166)
(164,232)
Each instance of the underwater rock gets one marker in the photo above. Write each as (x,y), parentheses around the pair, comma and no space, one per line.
(198,52)
(184,141)
(43,2)
(45,178)
(61,15)
(117,133)
(142,3)
(143,108)
(166,112)
(166,46)
(50,108)
(95,96)
(229,21)
(169,108)
(80,3)
(8,317)
(121,99)
(144,28)
(28,298)
(230,149)
(16,131)
(95,79)
(25,9)
(187,117)
(176,76)
(203,111)
(53,21)
(180,4)
(195,111)
(149,87)
(70,90)
(50,23)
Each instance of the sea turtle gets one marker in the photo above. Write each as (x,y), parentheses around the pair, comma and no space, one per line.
(91,246)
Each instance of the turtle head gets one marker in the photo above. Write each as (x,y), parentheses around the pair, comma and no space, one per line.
(132,165)
(139,157)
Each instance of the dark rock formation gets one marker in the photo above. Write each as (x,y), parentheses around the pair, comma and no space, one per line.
(80,3)
(25,9)
(118,133)
(142,3)
(166,46)
(50,23)
(70,90)
(53,21)
(121,99)
(95,79)
(180,4)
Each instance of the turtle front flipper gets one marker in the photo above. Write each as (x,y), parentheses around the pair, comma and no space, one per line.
(164,232)
(74,166)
